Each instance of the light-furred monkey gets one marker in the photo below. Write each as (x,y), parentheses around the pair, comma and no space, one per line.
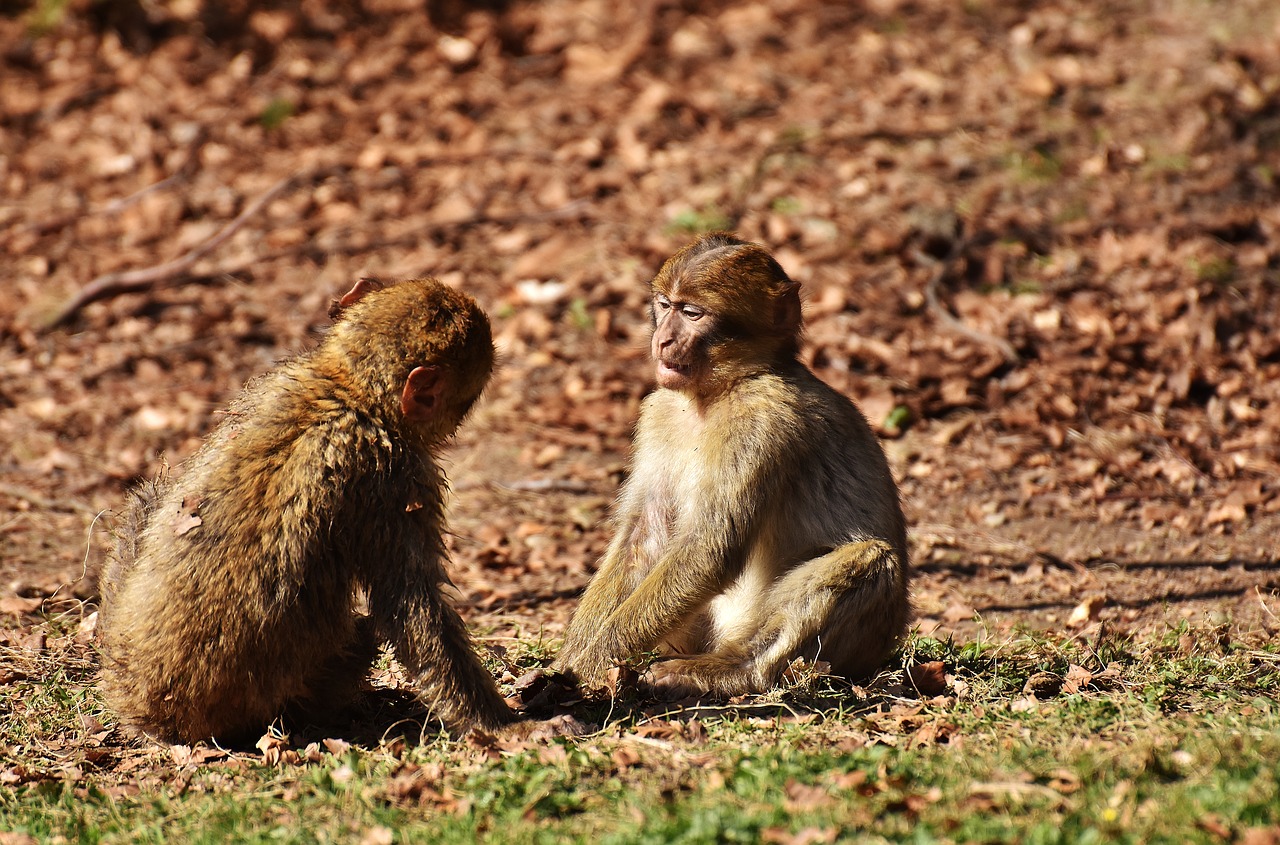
(760,521)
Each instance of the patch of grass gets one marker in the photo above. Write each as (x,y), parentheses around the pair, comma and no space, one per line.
(579,316)
(45,16)
(1040,165)
(276,112)
(1174,738)
(1216,271)
(691,222)
(786,205)
(1169,163)
(1075,209)
(898,418)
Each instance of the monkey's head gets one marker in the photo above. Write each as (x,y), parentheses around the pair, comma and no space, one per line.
(417,352)
(722,308)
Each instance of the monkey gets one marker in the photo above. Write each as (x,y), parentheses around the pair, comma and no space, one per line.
(760,521)
(233,595)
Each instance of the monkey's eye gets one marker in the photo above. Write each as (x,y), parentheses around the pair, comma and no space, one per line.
(662,303)
(691,312)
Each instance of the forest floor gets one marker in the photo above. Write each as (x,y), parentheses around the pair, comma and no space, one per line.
(1039,245)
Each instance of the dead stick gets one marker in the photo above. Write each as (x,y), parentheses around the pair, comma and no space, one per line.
(130,281)
(949,320)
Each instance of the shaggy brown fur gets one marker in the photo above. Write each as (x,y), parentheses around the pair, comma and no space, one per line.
(233,592)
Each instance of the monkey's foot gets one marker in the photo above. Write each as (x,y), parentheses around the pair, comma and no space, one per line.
(707,674)
(535,730)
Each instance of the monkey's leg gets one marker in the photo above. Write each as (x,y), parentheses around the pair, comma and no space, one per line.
(333,686)
(847,607)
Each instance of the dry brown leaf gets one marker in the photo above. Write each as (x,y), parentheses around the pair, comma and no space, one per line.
(1077,679)
(1261,836)
(1043,685)
(849,780)
(377,835)
(624,758)
(807,836)
(959,612)
(928,679)
(14,838)
(1213,824)
(20,605)
(336,747)
(186,518)
(802,797)
(1087,611)
(274,748)
(658,729)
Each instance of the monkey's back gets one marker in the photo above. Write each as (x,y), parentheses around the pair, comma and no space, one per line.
(231,584)
(843,480)
(840,493)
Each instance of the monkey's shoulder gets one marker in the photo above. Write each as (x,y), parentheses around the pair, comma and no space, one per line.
(792,400)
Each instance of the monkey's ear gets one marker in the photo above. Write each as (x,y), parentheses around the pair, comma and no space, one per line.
(788,317)
(358,291)
(421,394)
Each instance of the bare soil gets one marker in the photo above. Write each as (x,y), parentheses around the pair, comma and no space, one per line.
(1039,242)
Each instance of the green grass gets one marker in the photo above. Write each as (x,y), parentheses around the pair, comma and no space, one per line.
(693,222)
(1172,739)
(276,112)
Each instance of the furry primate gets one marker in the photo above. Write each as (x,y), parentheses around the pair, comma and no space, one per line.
(233,595)
(760,521)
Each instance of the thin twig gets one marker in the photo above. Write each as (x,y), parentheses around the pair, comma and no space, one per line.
(1257,591)
(949,320)
(130,281)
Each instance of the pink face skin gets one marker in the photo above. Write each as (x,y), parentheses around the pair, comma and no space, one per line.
(677,336)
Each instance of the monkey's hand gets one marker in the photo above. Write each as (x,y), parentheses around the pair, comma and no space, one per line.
(588,670)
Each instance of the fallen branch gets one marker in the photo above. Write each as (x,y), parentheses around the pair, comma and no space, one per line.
(945,317)
(146,278)
(132,281)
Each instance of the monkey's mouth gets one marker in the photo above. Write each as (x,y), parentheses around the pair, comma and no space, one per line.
(674,368)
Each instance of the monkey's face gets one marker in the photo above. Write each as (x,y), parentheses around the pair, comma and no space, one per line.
(680,341)
(722,309)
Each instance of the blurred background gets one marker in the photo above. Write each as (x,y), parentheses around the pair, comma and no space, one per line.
(1039,244)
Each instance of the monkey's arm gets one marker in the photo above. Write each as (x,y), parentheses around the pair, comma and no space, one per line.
(702,557)
(431,641)
(682,581)
(609,587)
(429,637)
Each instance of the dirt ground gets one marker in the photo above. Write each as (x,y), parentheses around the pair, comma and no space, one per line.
(1039,244)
